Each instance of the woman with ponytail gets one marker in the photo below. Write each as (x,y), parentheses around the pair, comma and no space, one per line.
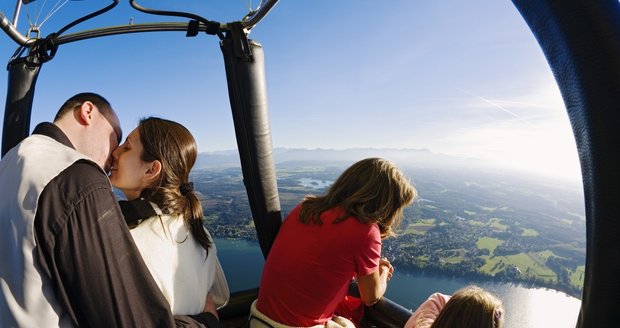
(165,215)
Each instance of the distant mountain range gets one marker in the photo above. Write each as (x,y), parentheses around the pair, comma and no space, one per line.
(343,157)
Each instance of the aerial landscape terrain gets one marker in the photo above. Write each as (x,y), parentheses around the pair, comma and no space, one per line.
(467,222)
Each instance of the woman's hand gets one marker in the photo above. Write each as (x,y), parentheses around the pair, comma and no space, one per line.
(210,306)
(385,263)
(372,287)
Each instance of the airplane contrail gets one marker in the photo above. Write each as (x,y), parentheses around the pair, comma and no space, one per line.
(494,104)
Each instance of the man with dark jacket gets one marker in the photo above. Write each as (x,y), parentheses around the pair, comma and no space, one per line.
(66,255)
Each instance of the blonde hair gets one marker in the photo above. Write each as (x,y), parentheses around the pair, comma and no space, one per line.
(372,190)
(471,307)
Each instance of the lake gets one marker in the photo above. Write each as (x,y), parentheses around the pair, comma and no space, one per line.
(314,184)
(525,307)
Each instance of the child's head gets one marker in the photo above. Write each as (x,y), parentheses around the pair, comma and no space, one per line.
(471,307)
(372,190)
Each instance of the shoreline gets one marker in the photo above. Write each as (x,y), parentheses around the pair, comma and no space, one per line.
(439,273)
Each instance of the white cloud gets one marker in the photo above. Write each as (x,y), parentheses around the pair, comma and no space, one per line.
(533,134)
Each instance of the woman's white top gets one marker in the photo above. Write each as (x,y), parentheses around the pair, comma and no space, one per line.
(179,264)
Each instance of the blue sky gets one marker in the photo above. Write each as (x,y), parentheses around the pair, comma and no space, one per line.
(457,77)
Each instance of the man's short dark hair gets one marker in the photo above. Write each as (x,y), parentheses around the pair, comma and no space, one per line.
(102,104)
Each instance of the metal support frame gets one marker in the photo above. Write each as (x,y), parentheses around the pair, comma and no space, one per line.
(22,78)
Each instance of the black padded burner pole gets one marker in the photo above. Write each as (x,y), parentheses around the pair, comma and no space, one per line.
(19,96)
(245,72)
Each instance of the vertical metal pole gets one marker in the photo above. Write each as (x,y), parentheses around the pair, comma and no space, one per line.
(18,8)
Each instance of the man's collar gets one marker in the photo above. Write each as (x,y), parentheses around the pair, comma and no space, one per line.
(53,131)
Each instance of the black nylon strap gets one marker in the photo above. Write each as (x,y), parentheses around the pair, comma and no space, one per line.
(192,28)
(136,210)
(252,317)
(213,28)
(241,45)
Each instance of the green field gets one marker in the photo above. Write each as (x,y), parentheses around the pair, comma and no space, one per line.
(496,224)
(576,278)
(454,256)
(529,233)
(541,257)
(420,227)
(528,263)
(488,243)
(477,223)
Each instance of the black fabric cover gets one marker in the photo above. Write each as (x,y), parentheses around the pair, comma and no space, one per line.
(245,72)
(19,96)
(581,40)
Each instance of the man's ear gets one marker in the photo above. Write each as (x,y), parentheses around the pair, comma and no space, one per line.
(153,172)
(86,113)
